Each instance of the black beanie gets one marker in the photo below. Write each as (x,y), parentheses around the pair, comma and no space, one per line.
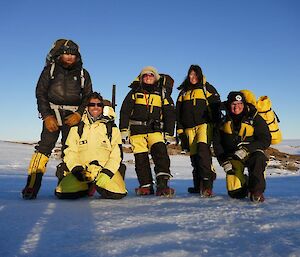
(235,96)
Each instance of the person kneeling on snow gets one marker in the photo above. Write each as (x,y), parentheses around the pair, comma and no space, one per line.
(239,142)
(93,156)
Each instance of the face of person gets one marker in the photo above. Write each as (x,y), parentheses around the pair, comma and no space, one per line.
(68,59)
(193,78)
(149,78)
(237,107)
(95,107)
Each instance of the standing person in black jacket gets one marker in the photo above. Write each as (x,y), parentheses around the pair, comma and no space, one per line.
(239,142)
(197,110)
(149,118)
(61,92)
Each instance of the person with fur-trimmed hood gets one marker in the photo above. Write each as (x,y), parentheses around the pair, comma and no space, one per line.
(148,118)
(240,141)
(61,92)
(93,156)
(197,110)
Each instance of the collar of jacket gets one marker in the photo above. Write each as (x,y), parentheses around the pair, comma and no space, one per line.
(186,85)
(76,66)
(88,119)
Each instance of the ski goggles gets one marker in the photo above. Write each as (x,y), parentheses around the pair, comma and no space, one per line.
(95,104)
(69,50)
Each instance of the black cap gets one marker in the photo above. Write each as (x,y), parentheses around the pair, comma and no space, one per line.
(235,96)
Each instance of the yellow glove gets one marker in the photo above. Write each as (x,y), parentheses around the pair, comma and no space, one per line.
(73,119)
(103,179)
(51,123)
(94,168)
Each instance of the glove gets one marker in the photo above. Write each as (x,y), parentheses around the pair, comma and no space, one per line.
(78,172)
(184,143)
(61,171)
(168,139)
(73,119)
(93,169)
(241,154)
(103,179)
(124,135)
(227,166)
(51,123)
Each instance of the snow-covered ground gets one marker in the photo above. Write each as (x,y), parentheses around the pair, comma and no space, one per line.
(185,225)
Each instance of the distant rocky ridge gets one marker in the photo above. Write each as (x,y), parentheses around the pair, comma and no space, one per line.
(280,160)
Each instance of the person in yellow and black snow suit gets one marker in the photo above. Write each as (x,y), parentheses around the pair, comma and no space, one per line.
(61,89)
(149,119)
(240,141)
(197,109)
(93,156)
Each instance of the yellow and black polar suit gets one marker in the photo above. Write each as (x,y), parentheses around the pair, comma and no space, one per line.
(250,132)
(92,155)
(148,115)
(64,89)
(197,109)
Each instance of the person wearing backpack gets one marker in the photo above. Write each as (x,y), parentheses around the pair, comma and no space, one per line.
(197,110)
(61,92)
(147,117)
(240,141)
(93,156)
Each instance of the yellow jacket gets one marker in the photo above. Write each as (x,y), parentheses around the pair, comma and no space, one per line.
(93,145)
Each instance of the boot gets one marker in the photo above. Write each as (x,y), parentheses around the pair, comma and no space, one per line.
(33,185)
(162,188)
(257,197)
(36,170)
(206,188)
(144,190)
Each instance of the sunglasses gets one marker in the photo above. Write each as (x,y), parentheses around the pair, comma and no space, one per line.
(95,104)
(148,75)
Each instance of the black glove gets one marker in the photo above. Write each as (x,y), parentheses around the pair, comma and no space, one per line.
(184,142)
(61,170)
(78,172)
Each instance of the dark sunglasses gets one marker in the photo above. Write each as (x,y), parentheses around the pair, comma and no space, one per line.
(95,104)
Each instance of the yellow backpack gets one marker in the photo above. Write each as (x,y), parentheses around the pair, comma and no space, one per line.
(264,107)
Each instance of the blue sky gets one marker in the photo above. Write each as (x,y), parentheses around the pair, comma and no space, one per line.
(239,44)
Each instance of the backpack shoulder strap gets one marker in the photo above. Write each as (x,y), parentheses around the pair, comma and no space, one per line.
(109,127)
(82,79)
(80,128)
(52,70)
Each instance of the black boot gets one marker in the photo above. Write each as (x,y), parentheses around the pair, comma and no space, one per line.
(162,188)
(33,185)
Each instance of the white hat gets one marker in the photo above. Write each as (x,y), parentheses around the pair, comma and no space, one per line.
(150,69)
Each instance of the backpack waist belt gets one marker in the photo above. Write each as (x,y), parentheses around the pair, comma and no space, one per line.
(145,123)
(57,107)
